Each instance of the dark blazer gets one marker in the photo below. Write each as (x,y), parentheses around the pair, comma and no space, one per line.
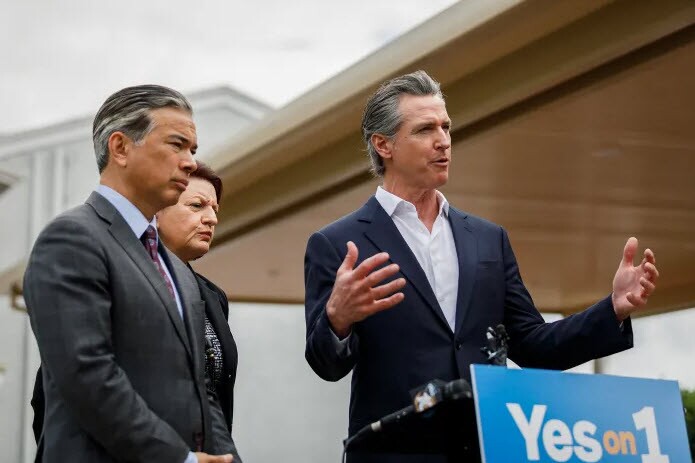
(394,351)
(217,311)
(123,374)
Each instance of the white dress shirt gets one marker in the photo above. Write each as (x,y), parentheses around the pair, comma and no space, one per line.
(435,251)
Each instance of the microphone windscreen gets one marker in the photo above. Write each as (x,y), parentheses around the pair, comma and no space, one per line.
(457,389)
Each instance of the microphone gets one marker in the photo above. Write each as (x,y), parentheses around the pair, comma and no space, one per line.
(437,391)
(390,419)
(497,346)
(458,389)
(378,426)
(424,398)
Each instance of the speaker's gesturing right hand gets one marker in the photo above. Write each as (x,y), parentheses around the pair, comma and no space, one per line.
(357,292)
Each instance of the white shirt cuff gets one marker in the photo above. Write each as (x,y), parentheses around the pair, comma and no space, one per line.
(342,346)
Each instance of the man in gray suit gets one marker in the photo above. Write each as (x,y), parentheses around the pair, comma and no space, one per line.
(118,319)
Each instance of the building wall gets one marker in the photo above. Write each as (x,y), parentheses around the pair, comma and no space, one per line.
(282,410)
(81,173)
(12,335)
(14,234)
(215,126)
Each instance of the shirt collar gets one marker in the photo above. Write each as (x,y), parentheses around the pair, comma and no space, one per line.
(390,202)
(131,214)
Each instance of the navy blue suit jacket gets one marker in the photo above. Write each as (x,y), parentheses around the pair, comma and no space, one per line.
(401,348)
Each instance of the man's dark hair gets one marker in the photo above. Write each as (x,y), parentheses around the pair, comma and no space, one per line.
(128,111)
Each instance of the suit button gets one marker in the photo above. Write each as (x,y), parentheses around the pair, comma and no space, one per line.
(459,345)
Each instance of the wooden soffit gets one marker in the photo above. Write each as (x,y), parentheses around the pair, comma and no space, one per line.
(571,129)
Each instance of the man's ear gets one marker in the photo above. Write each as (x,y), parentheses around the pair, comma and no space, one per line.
(119,147)
(383,145)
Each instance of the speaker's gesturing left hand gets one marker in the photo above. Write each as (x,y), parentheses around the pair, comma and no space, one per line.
(632,285)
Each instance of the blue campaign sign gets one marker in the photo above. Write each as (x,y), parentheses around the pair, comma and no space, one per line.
(550,416)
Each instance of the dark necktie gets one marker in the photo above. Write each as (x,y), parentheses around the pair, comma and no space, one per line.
(149,239)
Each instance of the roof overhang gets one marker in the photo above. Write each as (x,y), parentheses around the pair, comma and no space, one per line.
(498,62)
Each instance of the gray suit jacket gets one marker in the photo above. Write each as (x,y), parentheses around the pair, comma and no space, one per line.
(123,373)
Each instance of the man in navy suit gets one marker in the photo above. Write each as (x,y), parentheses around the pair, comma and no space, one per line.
(402,290)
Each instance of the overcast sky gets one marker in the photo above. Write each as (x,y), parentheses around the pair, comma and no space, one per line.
(61,59)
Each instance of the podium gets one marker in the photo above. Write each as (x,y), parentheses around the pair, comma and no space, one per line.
(518,416)
(448,429)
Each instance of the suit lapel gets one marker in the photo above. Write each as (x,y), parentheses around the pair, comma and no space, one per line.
(195,327)
(384,234)
(124,235)
(467,252)
(193,306)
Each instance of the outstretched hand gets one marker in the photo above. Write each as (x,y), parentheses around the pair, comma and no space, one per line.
(355,294)
(632,285)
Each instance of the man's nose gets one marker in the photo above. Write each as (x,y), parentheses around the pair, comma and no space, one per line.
(443,140)
(188,164)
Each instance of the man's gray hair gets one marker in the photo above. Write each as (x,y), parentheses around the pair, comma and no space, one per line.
(381,114)
(128,111)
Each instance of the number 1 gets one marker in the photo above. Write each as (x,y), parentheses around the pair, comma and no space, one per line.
(644,419)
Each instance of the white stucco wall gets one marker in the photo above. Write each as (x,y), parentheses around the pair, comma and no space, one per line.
(282,410)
